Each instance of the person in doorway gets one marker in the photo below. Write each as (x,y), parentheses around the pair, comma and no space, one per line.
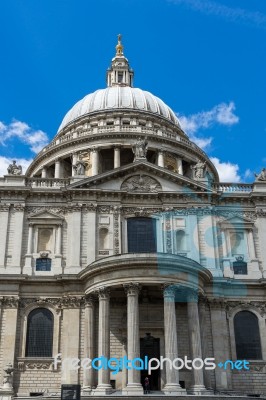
(146,385)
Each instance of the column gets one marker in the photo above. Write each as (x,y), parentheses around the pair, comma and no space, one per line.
(28,257)
(44,172)
(221,346)
(104,386)
(179,166)
(251,247)
(134,386)
(57,169)
(88,374)
(91,239)
(58,240)
(4,215)
(172,386)
(10,309)
(160,159)
(70,338)
(94,161)
(204,333)
(124,371)
(197,387)
(17,238)
(74,161)
(116,156)
(73,240)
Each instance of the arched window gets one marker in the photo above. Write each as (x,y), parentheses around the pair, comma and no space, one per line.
(39,341)
(141,234)
(180,241)
(104,239)
(247,336)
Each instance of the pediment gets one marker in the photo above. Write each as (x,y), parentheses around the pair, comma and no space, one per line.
(238,222)
(141,177)
(45,215)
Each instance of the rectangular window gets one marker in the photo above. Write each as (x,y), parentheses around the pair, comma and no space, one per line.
(141,234)
(43,264)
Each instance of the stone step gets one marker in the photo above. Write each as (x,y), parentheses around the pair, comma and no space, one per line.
(153,396)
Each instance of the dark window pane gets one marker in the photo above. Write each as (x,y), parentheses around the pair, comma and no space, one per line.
(43,264)
(240,268)
(141,233)
(247,336)
(39,333)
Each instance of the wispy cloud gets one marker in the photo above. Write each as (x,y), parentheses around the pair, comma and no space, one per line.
(36,139)
(227,171)
(5,162)
(234,14)
(222,114)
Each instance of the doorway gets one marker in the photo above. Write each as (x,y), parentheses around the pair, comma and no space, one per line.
(150,347)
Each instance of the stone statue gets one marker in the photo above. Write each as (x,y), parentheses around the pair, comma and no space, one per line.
(199,169)
(80,167)
(14,169)
(140,148)
(8,379)
(261,176)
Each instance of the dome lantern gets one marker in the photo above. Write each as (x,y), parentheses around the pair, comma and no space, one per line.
(120,73)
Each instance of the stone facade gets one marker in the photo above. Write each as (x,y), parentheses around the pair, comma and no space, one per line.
(66,246)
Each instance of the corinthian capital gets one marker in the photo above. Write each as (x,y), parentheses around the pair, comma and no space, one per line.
(103,293)
(132,288)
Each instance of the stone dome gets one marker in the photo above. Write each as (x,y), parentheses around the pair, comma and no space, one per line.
(119,97)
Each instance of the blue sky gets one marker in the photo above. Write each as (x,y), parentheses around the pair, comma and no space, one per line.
(205,58)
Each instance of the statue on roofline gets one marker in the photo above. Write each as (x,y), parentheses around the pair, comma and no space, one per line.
(140,148)
(14,169)
(261,176)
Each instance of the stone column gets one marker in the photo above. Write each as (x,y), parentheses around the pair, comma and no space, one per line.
(197,387)
(204,319)
(8,341)
(160,158)
(44,172)
(124,371)
(104,386)
(4,215)
(134,386)
(28,257)
(74,160)
(94,161)
(221,346)
(70,338)
(73,239)
(172,386)
(57,169)
(179,166)
(91,239)
(58,239)
(17,238)
(89,343)
(116,156)
(251,247)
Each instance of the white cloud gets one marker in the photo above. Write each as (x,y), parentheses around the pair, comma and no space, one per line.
(227,171)
(222,114)
(248,174)
(36,139)
(4,163)
(234,14)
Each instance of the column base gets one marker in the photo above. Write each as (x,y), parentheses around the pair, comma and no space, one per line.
(133,390)
(173,390)
(102,390)
(199,390)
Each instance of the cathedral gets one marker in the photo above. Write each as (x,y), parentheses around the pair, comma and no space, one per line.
(119,242)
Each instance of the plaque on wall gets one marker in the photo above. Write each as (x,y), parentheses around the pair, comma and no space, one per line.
(70,392)
(43,264)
